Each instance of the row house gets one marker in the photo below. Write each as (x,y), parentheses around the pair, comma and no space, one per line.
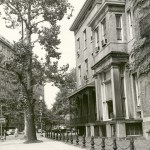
(108,96)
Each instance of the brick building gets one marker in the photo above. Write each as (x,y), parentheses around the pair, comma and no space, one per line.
(109,94)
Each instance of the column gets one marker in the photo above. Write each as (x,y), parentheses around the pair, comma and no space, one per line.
(100,131)
(99,108)
(116,93)
(91,106)
(88,131)
(120,130)
(92,130)
(108,130)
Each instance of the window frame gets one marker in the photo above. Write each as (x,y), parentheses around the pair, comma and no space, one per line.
(86,66)
(120,37)
(85,38)
(103,26)
(136,89)
(78,44)
(79,75)
(96,33)
(130,24)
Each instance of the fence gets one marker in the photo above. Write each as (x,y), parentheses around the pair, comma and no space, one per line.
(101,145)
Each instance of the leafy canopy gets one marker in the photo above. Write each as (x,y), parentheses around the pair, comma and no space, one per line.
(37,22)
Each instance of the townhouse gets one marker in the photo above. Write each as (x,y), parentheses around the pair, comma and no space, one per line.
(108,98)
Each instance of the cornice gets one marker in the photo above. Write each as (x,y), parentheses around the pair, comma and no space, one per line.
(6,42)
(82,12)
(113,54)
(103,6)
(91,85)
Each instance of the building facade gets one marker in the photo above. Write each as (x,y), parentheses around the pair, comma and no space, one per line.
(107,90)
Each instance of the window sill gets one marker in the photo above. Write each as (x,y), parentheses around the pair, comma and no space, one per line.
(120,41)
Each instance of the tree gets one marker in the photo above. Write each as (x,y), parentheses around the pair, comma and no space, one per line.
(37,22)
(62,106)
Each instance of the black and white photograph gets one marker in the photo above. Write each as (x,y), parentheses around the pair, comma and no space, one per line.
(74,74)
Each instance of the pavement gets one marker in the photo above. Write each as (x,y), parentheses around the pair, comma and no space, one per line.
(17,144)
(13,143)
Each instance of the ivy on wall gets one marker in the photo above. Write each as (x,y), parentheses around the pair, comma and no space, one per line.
(141,52)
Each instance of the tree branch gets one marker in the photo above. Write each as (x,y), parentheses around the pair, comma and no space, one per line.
(17,12)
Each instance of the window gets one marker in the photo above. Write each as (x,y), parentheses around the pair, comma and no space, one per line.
(130,24)
(113,130)
(79,71)
(91,35)
(86,66)
(104,40)
(108,95)
(103,29)
(97,37)
(78,44)
(110,109)
(78,47)
(107,89)
(135,89)
(85,38)
(119,27)
(134,128)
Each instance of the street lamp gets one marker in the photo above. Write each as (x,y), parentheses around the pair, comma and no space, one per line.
(1,123)
(41,98)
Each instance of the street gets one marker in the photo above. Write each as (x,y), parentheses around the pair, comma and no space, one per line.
(17,144)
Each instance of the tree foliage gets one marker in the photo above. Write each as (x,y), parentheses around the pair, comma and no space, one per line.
(62,105)
(37,22)
(140,63)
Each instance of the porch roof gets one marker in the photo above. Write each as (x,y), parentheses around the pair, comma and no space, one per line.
(92,84)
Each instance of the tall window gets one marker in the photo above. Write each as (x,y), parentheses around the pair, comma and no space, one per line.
(119,26)
(79,77)
(86,66)
(108,93)
(96,37)
(78,44)
(130,24)
(85,38)
(135,89)
(103,29)
(91,35)
(78,47)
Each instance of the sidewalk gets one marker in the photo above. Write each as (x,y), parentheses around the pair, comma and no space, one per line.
(17,144)
(47,144)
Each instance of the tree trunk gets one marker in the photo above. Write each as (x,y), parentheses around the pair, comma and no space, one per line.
(31,131)
(25,124)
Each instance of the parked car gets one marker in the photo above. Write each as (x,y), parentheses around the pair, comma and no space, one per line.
(39,131)
(10,132)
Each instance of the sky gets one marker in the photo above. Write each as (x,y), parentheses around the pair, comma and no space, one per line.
(67,46)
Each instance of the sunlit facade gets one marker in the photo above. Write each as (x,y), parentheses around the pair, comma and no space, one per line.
(105,35)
